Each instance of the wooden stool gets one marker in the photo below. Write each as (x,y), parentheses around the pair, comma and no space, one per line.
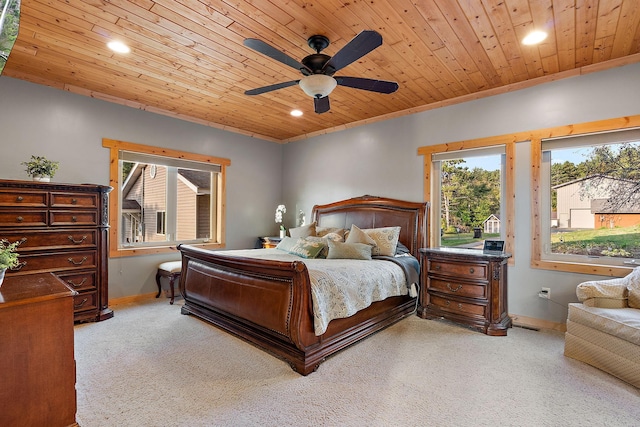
(171,270)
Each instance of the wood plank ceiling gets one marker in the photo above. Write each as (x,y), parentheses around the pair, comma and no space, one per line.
(188,60)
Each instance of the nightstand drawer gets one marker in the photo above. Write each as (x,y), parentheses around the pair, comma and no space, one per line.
(466,271)
(454,306)
(455,287)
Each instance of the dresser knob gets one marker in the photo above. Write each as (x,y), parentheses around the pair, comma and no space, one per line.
(74,219)
(471,270)
(19,219)
(437,267)
(74,201)
(447,303)
(459,305)
(19,199)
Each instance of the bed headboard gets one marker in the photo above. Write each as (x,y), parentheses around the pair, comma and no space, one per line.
(376,212)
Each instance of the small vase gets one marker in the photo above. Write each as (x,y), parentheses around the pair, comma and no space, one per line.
(2,271)
(42,178)
(283,233)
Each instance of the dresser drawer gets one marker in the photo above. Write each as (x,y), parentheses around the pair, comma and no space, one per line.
(17,218)
(47,240)
(57,261)
(73,200)
(68,218)
(466,270)
(82,281)
(455,287)
(19,198)
(457,307)
(85,301)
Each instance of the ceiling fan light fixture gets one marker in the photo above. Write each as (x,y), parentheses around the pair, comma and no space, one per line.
(534,37)
(318,85)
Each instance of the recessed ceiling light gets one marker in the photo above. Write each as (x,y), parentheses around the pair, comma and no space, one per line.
(119,47)
(296,113)
(534,37)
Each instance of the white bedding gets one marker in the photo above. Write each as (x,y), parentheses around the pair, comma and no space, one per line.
(340,287)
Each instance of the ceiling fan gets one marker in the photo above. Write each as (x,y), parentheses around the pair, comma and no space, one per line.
(318,69)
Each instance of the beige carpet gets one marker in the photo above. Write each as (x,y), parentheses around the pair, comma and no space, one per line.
(152,366)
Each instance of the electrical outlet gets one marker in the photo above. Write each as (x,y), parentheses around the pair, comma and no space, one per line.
(545,293)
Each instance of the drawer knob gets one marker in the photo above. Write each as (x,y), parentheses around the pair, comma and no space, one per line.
(447,303)
(77,285)
(437,267)
(19,219)
(71,260)
(74,219)
(456,289)
(19,199)
(76,242)
(74,201)
(459,305)
(83,302)
(471,270)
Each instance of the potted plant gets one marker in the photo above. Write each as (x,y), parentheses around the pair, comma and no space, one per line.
(8,256)
(40,168)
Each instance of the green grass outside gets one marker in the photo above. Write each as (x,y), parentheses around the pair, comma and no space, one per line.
(618,242)
(459,239)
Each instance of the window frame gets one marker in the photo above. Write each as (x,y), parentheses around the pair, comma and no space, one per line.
(115,146)
(535,139)
(507,193)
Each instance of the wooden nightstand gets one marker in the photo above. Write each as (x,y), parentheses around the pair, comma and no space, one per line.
(268,242)
(466,286)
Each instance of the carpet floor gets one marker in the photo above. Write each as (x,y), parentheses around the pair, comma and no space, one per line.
(152,366)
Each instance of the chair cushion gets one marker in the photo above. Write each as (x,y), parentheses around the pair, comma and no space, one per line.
(171,266)
(623,323)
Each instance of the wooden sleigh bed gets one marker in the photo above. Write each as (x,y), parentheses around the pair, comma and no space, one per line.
(269,303)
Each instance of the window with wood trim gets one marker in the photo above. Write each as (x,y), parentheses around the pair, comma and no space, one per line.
(162,198)
(470,188)
(590,198)
(620,138)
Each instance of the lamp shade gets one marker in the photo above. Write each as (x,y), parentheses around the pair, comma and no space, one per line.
(318,85)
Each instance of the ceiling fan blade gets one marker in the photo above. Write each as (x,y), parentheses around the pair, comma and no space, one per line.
(273,53)
(269,88)
(359,46)
(380,86)
(321,105)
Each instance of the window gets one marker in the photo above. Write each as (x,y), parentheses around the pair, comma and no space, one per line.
(467,192)
(162,198)
(470,187)
(590,191)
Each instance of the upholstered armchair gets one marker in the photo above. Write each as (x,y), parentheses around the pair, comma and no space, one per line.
(604,329)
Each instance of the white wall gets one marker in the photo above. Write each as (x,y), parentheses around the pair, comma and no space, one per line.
(38,120)
(381,159)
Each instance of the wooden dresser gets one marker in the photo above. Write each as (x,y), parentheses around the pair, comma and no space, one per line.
(466,286)
(38,371)
(65,228)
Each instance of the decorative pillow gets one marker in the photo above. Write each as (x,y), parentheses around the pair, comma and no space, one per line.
(307,248)
(339,250)
(634,288)
(358,236)
(323,231)
(386,239)
(286,243)
(304,231)
(634,297)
